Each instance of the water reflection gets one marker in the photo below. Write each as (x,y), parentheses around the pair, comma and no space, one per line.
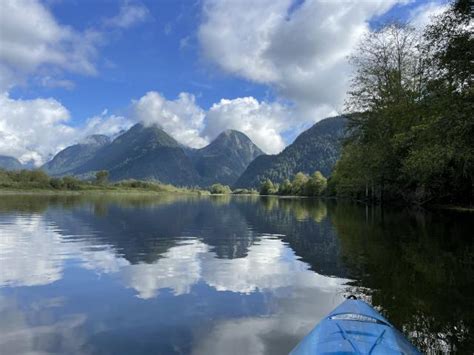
(181,274)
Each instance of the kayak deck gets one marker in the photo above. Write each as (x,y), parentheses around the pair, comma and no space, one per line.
(354,327)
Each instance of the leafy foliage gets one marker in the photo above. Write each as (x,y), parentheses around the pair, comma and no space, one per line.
(413,138)
(39,180)
(220,189)
(101,177)
(302,185)
(268,188)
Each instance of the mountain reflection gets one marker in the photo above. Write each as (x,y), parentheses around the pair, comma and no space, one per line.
(211,274)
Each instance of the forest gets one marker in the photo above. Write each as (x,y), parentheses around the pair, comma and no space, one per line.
(411,125)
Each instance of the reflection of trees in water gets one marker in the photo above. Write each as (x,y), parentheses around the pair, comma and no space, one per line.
(418,267)
(40,203)
(142,230)
(303,224)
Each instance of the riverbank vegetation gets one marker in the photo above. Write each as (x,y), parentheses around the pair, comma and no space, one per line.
(301,185)
(37,180)
(412,138)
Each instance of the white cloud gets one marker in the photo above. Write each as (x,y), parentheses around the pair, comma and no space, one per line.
(263,122)
(301,52)
(178,269)
(32,39)
(105,123)
(29,250)
(191,125)
(181,118)
(129,15)
(34,130)
(422,15)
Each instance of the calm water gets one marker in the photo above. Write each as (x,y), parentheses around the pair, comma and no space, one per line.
(221,275)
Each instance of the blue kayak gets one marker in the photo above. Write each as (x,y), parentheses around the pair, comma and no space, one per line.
(354,327)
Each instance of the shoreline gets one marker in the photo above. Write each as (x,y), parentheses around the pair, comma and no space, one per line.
(144,192)
(46,192)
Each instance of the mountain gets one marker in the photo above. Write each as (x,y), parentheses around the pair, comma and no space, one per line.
(148,152)
(76,155)
(10,163)
(317,148)
(225,158)
(143,153)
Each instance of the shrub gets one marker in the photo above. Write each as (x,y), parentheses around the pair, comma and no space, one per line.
(220,189)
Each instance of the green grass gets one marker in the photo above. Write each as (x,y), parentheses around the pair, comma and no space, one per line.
(37,182)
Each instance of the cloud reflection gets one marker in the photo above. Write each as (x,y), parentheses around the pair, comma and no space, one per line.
(33,252)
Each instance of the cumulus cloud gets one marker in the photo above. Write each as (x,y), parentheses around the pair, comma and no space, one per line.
(191,125)
(263,122)
(178,270)
(34,130)
(301,52)
(181,118)
(129,15)
(31,130)
(29,251)
(105,123)
(32,39)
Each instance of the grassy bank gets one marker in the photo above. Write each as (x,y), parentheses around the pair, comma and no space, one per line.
(37,182)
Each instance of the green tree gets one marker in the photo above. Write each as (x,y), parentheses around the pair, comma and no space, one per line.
(285,188)
(220,189)
(267,188)
(316,184)
(101,177)
(71,183)
(413,135)
(299,183)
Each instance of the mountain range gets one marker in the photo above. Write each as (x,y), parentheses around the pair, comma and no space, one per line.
(148,152)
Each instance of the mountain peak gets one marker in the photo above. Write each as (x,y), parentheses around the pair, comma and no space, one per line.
(97,139)
(9,163)
(235,138)
(226,157)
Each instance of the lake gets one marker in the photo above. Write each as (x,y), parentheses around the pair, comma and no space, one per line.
(222,274)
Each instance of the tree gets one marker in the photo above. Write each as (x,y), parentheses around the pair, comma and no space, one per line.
(71,183)
(101,177)
(316,184)
(285,188)
(267,188)
(220,189)
(299,183)
(412,135)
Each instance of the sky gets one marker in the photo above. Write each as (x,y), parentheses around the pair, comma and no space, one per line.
(269,68)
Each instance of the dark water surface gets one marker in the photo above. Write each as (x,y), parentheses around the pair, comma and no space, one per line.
(223,275)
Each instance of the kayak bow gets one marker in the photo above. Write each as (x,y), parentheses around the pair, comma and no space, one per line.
(354,327)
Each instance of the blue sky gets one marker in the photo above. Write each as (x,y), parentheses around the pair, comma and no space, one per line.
(268,68)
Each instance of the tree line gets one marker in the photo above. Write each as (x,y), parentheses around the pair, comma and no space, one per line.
(39,180)
(301,185)
(411,127)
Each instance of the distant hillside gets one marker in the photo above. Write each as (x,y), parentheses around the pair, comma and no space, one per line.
(9,163)
(143,153)
(317,148)
(225,158)
(76,155)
